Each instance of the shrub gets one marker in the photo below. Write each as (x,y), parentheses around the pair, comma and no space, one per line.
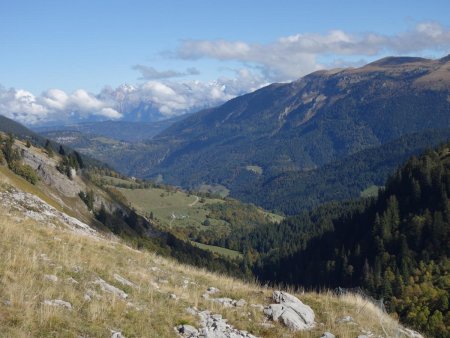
(25,171)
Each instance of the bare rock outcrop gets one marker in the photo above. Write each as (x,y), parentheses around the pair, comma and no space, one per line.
(291,311)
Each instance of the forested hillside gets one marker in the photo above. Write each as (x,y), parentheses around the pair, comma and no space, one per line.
(395,246)
(296,191)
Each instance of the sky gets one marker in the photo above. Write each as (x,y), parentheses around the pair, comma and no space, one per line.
(73,60)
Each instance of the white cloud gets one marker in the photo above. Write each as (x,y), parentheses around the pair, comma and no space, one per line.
(150,73)
(21,105)
(170,98)
(53,105)
(296,55)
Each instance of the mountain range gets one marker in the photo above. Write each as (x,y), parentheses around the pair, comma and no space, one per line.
(272,141)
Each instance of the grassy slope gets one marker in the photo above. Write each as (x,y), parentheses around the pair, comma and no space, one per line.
(165,205)
(148,311)
(219,250)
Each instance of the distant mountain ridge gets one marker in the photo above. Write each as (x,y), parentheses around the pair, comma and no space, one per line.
(303,125)
(128,131)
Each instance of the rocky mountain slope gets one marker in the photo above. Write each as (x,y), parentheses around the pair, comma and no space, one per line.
(303,125)
(61,277)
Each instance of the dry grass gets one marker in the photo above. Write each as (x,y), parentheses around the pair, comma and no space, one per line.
(30,250)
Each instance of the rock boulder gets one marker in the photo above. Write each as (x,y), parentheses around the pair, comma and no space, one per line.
(291,311)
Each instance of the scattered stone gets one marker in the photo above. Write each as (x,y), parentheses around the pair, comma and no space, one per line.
(212,326)
(258,307)
(328,335)
(173,296)
(367,333)
(123,281)
(212,290)
(346,319)
(227,302)
(44,257)
(58,302)
(116,334)
(72,280)
(224,301)
(192,311)
(51,278)
(7,303)
(110,288)
(291,311)
(240,303)
(91,294)
(155,285)
(267,325)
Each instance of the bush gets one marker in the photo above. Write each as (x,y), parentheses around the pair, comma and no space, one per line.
(26,172)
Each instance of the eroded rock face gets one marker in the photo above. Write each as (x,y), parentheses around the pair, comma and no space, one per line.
(46,169)
(35,208)
(291,311)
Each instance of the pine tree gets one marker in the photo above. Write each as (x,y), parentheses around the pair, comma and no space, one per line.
(48,148)
(61,151)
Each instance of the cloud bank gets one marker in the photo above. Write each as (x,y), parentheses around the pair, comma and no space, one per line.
(53,105)
(297,55)
(150,100)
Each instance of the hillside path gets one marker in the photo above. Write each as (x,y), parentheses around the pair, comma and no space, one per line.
(195,202)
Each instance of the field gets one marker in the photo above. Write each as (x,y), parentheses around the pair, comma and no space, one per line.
(371,191)
(219,250)
(254,168)
(201,219)
(171,208)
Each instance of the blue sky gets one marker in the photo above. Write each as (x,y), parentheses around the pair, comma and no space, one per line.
(90,45)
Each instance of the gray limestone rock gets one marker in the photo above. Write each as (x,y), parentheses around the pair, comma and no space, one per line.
(328,335)
(123,280)
(291,311)
(211,326)
(116,334)
(58,302)
(110,288)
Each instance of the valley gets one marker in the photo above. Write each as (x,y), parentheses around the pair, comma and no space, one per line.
(295,199)
(293,146)
(105,271)
(228,169)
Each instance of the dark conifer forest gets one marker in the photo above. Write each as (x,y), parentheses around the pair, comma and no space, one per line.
(395,246)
